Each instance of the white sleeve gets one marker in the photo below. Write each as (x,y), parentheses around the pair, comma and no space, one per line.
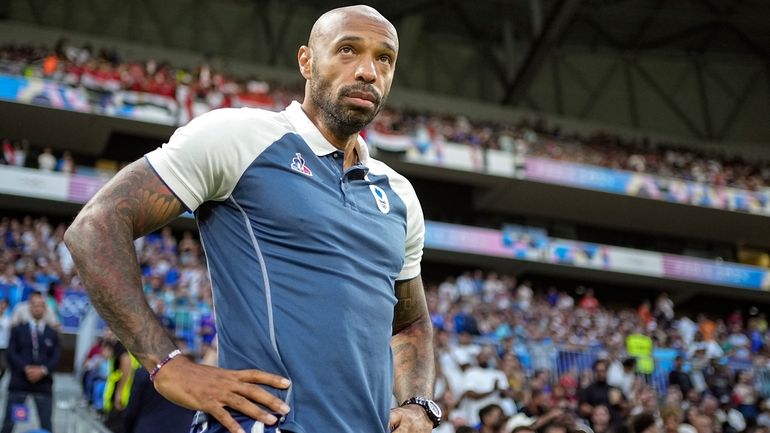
(415,236)
(196,163)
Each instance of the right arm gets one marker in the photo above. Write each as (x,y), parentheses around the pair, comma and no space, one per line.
(136,202)
(101,241)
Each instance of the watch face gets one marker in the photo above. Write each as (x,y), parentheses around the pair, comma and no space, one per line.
(434,408)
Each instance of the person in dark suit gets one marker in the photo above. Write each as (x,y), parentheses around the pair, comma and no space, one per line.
(150,412)
(33,354)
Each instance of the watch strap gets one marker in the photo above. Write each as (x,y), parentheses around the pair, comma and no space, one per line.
(425,403)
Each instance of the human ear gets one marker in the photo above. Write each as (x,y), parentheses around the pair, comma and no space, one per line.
(304,58)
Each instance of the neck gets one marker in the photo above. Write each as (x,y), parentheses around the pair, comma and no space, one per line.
(341,142)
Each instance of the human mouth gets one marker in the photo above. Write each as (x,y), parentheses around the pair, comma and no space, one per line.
(362,99)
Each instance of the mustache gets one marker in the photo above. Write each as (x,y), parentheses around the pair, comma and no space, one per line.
(363,88)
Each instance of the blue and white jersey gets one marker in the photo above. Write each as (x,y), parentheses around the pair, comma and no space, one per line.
(303,257)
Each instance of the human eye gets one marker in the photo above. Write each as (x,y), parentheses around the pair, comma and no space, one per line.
(385,58)
(345,49)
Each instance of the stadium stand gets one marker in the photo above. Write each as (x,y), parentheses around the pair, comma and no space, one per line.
(187,92)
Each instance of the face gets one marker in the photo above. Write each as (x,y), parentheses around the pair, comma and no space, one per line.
(703,424)
(349,67)
(600,372)
(600,415)
(37,307)
(671,424)
(493,417)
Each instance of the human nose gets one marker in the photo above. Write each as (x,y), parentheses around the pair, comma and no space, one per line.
(366,71)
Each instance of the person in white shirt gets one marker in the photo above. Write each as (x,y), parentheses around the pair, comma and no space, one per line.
(480,386)
(46,161)
(622,376)
(465,351)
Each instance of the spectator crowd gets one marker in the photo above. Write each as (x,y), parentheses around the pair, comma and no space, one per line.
(104,71)
(511,355)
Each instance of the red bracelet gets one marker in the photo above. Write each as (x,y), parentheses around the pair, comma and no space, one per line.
(157,368)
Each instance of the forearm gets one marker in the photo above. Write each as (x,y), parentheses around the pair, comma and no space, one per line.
(414,368)
(101,240)
(103,251)
(412,343)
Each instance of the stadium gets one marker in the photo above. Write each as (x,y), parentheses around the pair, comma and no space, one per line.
(593,174)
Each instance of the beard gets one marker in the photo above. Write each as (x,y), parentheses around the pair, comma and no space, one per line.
(343,120)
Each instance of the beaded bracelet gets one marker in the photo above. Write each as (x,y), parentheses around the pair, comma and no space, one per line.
(157,368)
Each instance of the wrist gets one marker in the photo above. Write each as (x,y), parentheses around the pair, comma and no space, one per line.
(162,369)
(428,407)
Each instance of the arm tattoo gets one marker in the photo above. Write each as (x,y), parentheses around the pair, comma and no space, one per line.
(134,203)
(412,342)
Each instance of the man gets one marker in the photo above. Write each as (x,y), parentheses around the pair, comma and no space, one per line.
(491,417)
(33,354)
(679,377)
(540,411)
(601,393)
(313,247)
(480,386)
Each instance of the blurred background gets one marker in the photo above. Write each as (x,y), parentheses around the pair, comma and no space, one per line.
(594,176)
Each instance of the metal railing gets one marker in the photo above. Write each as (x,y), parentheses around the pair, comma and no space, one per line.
(555,362)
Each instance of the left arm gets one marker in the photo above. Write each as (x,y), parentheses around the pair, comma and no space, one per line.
(54,354)
(412,344)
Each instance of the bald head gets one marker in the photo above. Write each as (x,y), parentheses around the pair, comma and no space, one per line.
(348,63)
(330,24)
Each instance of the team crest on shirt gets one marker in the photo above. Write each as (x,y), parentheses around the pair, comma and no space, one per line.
(380,198)
(298,164)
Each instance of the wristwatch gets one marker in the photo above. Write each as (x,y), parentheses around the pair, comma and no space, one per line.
(430,406)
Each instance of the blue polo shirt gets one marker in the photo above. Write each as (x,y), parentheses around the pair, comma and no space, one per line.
(303,257)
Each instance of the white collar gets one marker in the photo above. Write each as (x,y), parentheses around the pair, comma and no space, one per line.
(313,137)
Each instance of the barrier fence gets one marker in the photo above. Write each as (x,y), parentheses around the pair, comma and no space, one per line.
(556,362)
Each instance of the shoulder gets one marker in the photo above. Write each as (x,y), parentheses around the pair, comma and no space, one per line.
(239,117)
(238,122)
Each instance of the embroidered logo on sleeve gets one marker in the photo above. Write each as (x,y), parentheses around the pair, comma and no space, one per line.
(298,164)
(380,198)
